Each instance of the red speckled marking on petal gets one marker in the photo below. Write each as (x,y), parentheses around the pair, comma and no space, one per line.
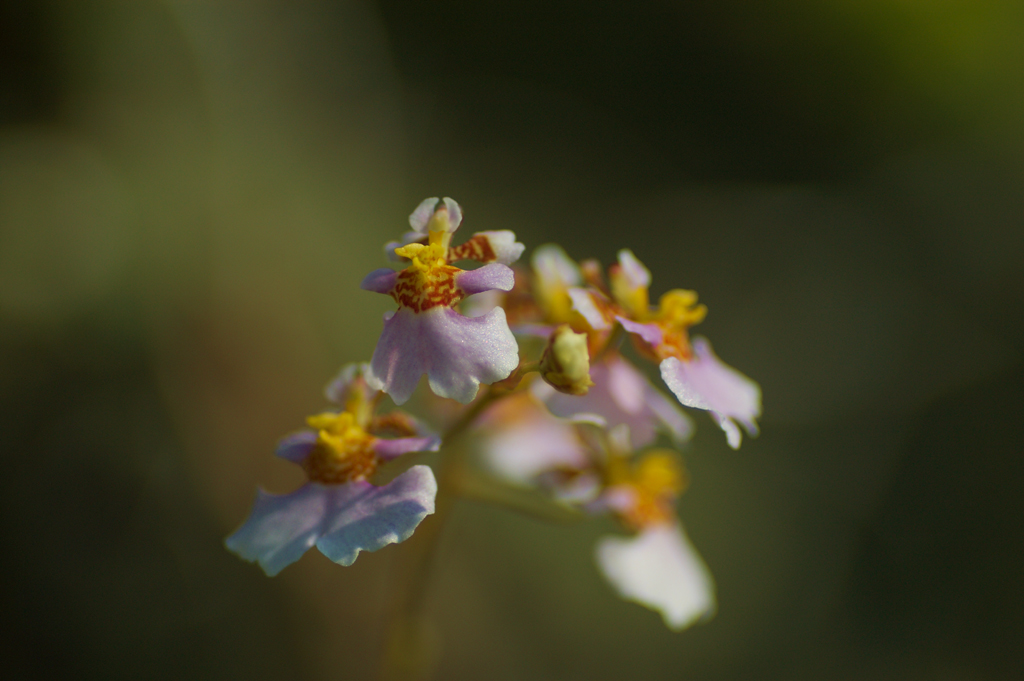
(421,290)
(478,248)
(327,465)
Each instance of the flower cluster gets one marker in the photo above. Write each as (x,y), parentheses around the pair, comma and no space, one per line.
(576,420)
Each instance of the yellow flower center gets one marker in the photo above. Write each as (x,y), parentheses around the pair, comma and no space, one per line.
(655,481)
(679,309)
(428,281)
(677,312)
(343,450)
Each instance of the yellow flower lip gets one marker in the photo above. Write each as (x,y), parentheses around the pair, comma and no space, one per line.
(343,451)
(678,309)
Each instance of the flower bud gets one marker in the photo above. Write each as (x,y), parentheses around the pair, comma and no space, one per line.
(565,364)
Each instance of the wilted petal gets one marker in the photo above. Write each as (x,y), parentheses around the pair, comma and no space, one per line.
(297,446)
(341,520)
(706,383)
(457,353)
(660,569)
(390,449)
(379,281)
(623,395)
(486,278)
(371,517)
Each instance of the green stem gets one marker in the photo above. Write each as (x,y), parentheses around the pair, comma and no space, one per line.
(412,649)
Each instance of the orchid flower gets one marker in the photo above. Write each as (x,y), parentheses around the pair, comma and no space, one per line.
(338,510)
(426,335)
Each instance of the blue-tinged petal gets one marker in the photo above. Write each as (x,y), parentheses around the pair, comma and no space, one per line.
(487,278)
(380,281)
(340,520)
(390,449)
(457,353)
(366,518)
(705,382)
(297,446)
(660,569)
(282,527)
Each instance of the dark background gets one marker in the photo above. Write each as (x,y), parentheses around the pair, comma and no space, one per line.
(191,192)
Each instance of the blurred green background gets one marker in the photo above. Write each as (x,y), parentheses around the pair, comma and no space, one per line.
(191,192)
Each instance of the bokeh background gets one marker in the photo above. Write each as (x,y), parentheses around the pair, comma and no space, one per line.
(190,193)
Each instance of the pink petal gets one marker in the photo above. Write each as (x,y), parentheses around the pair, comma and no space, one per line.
(380,281)
(297,446)
(623,395)
(521,440)
(486,278)
(457,353)
(706,383)
(390,449)
(651,333)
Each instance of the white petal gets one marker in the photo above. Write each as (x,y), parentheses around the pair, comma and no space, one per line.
(660,569)
(554,268)
(583,302)
(421,216)
(503,242)
(636,274)
(454,213)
